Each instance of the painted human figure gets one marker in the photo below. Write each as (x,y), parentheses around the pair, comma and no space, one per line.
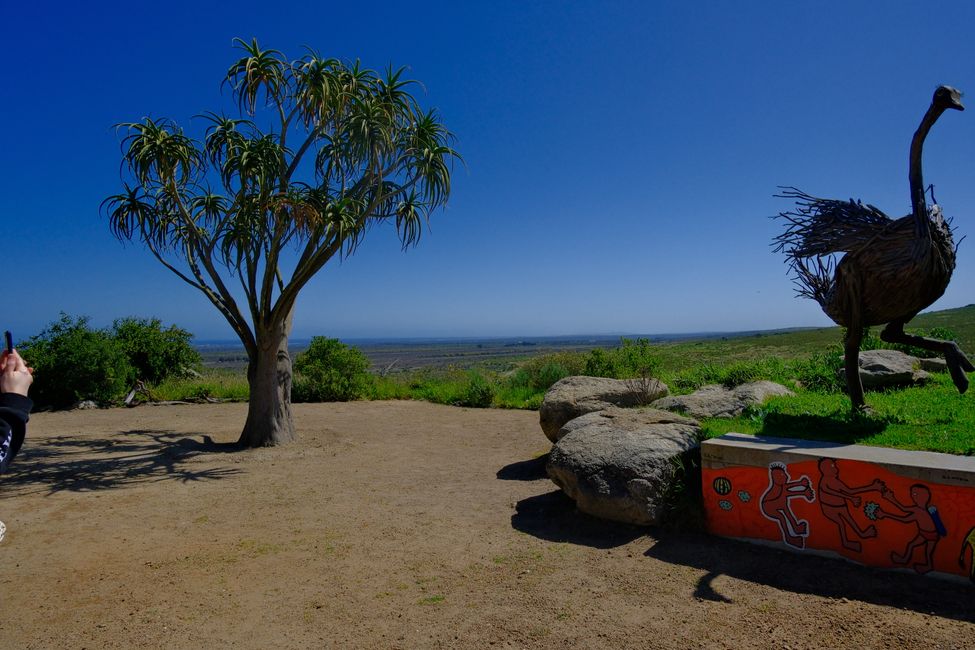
(916,512)
(775,504)
(968,544)
(833,497)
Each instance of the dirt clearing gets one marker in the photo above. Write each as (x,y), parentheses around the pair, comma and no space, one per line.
(392,525)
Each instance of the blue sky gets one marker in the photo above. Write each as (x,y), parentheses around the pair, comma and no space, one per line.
(620,157)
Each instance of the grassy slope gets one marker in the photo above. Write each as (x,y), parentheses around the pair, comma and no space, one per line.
(800,343)
(934,417)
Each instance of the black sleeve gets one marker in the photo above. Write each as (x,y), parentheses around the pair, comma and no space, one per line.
(14,413)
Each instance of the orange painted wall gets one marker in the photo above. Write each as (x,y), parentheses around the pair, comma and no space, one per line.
(733,500)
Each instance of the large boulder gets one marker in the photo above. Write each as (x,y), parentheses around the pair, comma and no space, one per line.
(620,464)
(571,397)
(715,401)
(889,369)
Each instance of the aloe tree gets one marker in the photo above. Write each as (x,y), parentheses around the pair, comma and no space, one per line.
(319,150)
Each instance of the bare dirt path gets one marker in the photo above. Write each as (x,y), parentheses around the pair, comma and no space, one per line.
(391,525)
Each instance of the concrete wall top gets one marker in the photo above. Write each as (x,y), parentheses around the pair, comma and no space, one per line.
(738,449)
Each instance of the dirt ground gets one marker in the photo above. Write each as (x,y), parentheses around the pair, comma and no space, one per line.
(392,525)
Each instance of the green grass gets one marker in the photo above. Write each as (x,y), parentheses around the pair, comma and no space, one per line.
(933,417)
(214,383)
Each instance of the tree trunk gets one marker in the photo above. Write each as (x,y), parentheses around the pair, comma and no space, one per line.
(269,420)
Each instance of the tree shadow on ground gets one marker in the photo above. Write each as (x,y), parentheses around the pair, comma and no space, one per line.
(839,428)
(554,517)
(810,574)
(87,463)
(525,470)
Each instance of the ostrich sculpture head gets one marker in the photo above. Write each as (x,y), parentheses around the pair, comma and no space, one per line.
(946,97)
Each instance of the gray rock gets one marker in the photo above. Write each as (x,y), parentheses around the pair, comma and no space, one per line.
(933,364)
(86,404)
(890,369)
(715,401)
(620,464)
(571,397)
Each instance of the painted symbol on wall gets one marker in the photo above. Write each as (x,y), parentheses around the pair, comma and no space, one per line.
(724,504)
(921,514)
(744,496)
(722,485)
(775,503)
(835,498)
(870,510)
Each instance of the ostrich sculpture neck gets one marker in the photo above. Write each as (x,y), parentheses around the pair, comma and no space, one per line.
(919,207)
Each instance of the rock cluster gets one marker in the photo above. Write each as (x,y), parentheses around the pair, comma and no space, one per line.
(571,397)
(894,369)
(715,401)
(618,462)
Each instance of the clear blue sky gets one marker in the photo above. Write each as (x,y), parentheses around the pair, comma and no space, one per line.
(620,157)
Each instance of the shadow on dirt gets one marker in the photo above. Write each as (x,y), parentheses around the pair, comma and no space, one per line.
(809,574)
(524,470)
(554,517)
(87,464)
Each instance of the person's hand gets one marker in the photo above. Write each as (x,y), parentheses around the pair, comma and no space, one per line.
(15,376)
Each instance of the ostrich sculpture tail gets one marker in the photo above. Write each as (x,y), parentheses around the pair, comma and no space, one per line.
(818,229)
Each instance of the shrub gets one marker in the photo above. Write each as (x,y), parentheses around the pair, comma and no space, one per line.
(632,359)
(690,379)
(821,372)
(74,362)
(743,372)
(635,359)
(479,392)
(740,373)
(330,371)
(599,364)
(539,373)
(154,352)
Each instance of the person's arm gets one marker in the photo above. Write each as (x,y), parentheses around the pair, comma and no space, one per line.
(15,406)
(14,413)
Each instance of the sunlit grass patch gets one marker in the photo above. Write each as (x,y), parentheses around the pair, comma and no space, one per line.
(933,418)
(213,383)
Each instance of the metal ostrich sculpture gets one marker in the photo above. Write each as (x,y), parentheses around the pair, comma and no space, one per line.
(890,270)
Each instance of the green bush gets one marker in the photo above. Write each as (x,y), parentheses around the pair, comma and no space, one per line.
(74,362)
(539,373)
(743,372)
(599,364)
(821,372)
(635,359)
(154,352)
(690,379)
(479,392)
(330,371)
(632,359)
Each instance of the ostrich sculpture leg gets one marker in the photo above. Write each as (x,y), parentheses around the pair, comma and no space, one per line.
(854,336)
(958,363)
(849,284)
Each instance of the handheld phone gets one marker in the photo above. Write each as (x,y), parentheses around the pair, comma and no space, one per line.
(10,341)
